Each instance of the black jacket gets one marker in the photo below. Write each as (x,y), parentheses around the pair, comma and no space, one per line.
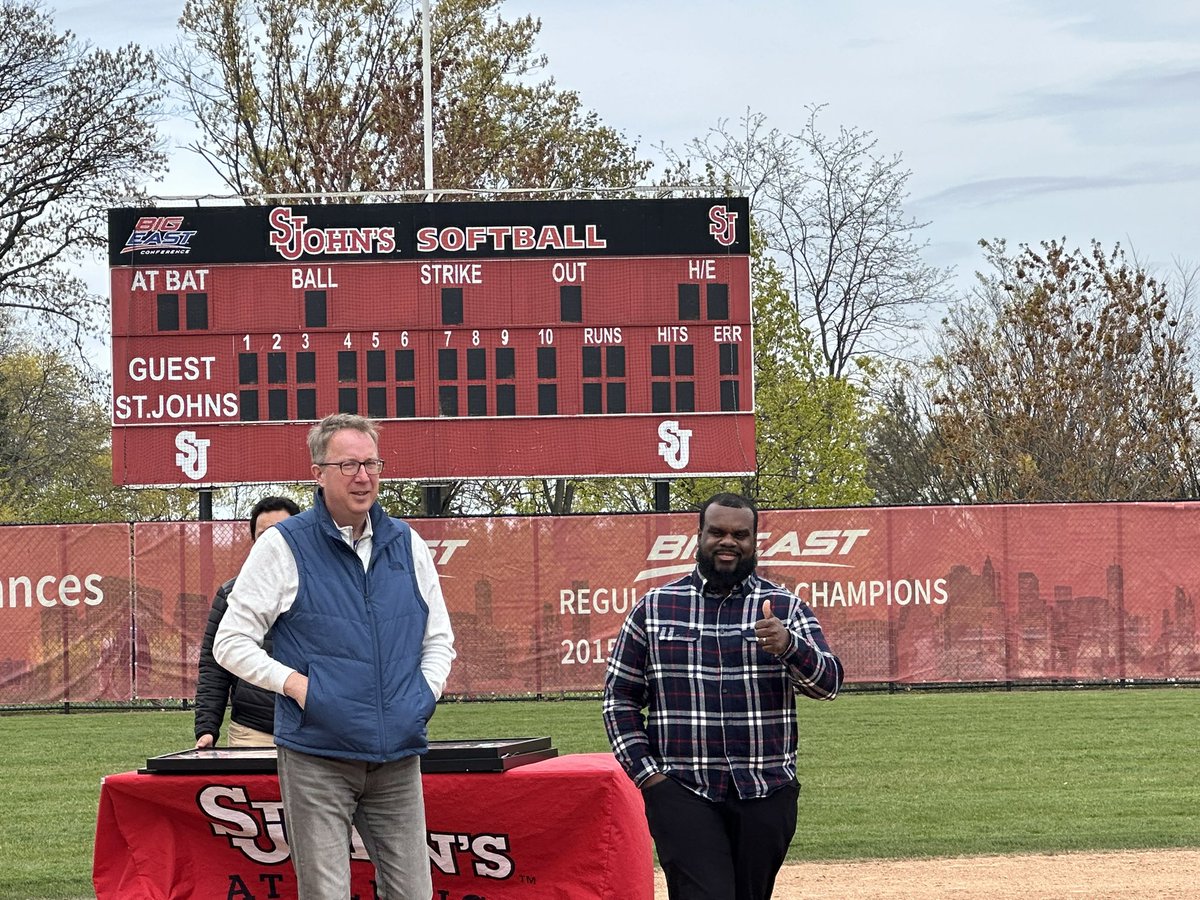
(252,706)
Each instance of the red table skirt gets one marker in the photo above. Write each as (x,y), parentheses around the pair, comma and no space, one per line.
(570,827)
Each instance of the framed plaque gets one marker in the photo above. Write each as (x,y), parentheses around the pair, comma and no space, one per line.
(484,755)
(212,760)
(486,764)
(490,748)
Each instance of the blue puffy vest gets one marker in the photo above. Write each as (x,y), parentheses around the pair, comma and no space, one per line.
(357,636)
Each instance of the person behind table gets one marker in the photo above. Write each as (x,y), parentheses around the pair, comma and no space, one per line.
(251,709)
(362,647)
(716,658)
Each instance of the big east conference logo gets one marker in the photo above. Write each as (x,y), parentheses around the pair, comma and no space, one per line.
(163,235)
(675,553)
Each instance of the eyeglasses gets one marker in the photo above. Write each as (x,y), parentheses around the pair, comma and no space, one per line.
(350,467)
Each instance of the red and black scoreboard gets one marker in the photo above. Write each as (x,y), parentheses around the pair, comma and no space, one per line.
(492,340)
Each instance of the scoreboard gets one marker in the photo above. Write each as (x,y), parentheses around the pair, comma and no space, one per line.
(490,340)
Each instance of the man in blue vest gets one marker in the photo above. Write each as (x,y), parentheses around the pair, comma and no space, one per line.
(362,651)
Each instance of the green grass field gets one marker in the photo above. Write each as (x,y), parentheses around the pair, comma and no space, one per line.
(909,774)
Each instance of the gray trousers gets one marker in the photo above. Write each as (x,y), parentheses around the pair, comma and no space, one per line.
(322,797)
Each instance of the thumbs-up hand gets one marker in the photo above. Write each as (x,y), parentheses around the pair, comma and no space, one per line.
(770,632)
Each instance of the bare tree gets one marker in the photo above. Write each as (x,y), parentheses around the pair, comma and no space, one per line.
(831,210)
(77,136)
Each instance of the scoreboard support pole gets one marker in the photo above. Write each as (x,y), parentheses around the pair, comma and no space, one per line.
(206,506)
(662,495)
(432,499)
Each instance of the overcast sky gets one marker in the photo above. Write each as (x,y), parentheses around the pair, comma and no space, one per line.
(1023,120)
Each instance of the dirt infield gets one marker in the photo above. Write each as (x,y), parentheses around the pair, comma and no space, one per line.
(1158,874)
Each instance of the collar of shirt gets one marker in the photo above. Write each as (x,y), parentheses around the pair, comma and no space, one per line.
(362,546)
(745,586)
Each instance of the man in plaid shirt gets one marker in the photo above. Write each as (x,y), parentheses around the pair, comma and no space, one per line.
(716,659)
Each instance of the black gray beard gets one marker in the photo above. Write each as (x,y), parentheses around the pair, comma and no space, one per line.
(724,580)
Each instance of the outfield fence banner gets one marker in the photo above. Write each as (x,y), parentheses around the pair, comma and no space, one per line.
(910,595)
(178,566)
(66,597)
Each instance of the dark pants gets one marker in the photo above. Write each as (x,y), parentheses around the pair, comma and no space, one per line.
(730,850)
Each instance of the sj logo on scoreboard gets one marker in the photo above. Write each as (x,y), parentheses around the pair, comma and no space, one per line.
(192,457)
(722,225)
(674,444)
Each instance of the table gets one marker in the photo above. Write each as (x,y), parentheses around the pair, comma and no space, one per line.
(571,827)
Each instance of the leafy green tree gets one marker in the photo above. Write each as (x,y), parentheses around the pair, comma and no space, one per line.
(810,442)
(325,96)
(902,442)
(77,136)
(55,456)
(1069,378)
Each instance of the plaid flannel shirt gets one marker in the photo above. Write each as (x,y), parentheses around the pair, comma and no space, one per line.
(721,710)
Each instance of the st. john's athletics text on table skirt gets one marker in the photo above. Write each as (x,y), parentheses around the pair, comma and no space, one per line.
(571,827)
